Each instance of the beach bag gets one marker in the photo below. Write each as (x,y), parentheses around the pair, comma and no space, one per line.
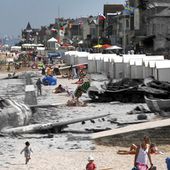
(153,168)
(168,163)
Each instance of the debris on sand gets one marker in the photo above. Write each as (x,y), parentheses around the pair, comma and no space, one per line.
(138,110)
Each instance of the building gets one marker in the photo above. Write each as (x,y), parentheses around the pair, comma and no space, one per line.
(112,23)
(151,25)
(30,35)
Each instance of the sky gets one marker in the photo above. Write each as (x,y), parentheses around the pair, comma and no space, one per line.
(15,14)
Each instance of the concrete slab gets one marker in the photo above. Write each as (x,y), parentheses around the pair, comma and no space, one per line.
(132,128)
(29,88)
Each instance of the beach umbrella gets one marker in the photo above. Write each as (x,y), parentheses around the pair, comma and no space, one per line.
(97,46)
(114,47)
(80,42)
(106,46)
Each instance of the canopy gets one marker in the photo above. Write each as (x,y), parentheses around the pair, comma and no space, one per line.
(52,40)
(106,46)
(114,47)
(97,46)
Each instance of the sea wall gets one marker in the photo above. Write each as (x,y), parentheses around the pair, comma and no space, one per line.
(158,136)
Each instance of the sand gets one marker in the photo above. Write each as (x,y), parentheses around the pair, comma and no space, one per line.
(58,159)
(69,151)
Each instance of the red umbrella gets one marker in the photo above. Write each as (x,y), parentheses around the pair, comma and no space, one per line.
(106,46)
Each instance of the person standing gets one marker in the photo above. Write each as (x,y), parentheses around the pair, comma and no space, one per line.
(91,165)
(27,152)
(143,154)
(43,70)
(39,88)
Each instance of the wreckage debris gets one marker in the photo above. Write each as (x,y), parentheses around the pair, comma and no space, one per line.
(120,123)
(138,110)
(92,121)
(130,90)
(83,122)
(142,117)
(124,90)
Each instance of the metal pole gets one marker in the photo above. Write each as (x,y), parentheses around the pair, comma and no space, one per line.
(98,31)
(124,36)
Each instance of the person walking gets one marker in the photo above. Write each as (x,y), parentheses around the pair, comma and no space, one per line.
(27,152)
(143,154)
(39,88)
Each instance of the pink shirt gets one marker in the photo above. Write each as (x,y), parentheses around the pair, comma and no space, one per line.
(90,166)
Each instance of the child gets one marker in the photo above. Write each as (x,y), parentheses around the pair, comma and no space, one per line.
(27,151)
(91,165)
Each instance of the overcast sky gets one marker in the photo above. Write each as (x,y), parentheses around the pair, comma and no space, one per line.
(15,14)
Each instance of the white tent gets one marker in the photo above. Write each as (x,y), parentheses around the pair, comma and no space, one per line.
(136,68)
(69,57)
(92,66)
(126,63)
(162,70)
(16,48)
(81,57)
(99,63)
(147,70)
(118,63)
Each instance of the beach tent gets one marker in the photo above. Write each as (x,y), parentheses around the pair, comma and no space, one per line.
(16,48)
(117,67)
(162,70)
(151,66)
(99,62)
(92,68)
(41,51)
(136,68)
(81,57)
(106,60)
(68,57)
(108,64)
(126,63)
(73,56)
(147,71)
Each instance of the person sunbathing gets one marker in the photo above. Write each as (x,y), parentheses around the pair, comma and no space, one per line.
(59,89)
(133,148)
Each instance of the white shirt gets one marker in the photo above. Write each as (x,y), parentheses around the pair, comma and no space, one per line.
(142,156)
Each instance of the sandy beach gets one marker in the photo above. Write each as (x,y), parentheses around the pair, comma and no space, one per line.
(69,151)
(49,158)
